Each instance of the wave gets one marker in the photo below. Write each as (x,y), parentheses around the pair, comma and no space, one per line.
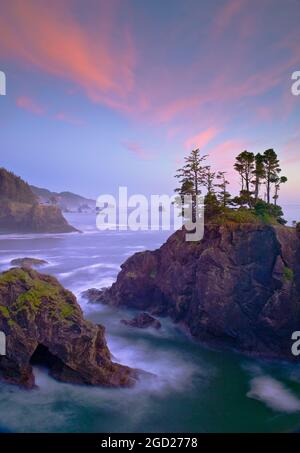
(89,267)
(274,394)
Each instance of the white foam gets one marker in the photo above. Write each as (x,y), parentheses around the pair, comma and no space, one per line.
(274,394)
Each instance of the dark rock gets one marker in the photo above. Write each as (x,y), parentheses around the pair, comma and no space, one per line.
(142,321)
(238,287)
(28,262)
(43,323)
(94,295)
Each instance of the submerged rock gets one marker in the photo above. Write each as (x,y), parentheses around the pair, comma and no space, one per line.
(142,321)
(94,295)
(28,262)
(238,287)
(44,324)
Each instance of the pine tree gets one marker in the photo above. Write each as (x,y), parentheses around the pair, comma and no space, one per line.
(277,183)
(192,177)
(224,197)
(272,170)
(208,180)
(244,165)
(212,205)
(259,174)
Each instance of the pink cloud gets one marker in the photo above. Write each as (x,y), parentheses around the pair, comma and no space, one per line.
(201,139)
(104,61)
(65,117)
(226,14)
(225,152)
(137,150)
(53,40)
(26,103)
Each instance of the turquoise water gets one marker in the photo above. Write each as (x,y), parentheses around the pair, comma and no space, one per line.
(191,388)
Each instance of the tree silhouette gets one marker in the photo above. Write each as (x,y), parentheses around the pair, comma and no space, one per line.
(224,196)
(244,165)
(259,174)
(272,170)
(191,178)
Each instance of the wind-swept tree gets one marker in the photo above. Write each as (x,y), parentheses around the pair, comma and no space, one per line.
(223,196)
(277,183)
(209,179)
(259,174)
(244,165)
(272,170)
(212,205)
(192,177)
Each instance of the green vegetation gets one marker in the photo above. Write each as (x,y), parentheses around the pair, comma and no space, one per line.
(14,276)
(37,291)
(4,311)
(13,188)
(255,171)
(131,275)
(288,274)
(66,310)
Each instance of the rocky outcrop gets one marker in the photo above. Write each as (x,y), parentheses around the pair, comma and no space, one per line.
(24,218)
(142,321)
(20,211)
(12,187)
(44,324)
(28,262)
(67,201)
(94,295)
(239,286)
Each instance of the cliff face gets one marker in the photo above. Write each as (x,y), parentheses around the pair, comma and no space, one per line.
(239,286)
(21,213)
(25,218)
(44,324)
(12,187)
(67,201)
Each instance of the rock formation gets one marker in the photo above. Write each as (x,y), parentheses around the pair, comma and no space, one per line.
(20,211)
(28,262)
(142,321)
(238,287)
(44,324)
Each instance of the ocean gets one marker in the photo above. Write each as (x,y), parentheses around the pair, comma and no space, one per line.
(191,388)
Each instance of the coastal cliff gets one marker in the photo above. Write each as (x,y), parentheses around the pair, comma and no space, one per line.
(44,325)
(20,211)
(238,287)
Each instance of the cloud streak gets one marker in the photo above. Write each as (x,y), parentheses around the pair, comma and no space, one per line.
(137,150)
(201,139)
(30,105)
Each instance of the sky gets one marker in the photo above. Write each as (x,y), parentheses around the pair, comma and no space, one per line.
(102,94)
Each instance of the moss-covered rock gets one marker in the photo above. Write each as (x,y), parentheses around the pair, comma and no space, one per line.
(37,312)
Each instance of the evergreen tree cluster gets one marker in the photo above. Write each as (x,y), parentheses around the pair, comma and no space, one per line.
(260,182)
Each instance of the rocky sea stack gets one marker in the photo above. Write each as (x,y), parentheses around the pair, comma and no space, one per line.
(238,287)
(20,211)
(44,324)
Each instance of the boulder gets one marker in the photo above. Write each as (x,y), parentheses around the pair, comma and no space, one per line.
(28,262)
(44,324)
(142,321)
